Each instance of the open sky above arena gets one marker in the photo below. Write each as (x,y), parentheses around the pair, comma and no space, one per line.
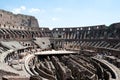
(66,13)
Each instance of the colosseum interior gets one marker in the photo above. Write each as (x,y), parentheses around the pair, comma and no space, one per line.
(29,52)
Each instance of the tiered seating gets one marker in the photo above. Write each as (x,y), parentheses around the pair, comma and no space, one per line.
(43,42)
(99,39)
(3,49)
(95,44)
(12,44)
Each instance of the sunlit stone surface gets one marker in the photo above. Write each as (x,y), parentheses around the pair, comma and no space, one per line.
(29,52)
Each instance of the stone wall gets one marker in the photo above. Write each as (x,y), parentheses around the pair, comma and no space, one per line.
(8,18)
(15,78)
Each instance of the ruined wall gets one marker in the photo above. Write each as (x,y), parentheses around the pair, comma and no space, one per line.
(8,18)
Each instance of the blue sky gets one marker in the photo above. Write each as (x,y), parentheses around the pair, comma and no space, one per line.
(66,13)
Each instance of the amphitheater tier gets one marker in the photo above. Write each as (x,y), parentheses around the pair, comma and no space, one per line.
(30,52)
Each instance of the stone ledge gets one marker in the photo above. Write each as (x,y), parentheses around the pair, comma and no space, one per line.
(15,78)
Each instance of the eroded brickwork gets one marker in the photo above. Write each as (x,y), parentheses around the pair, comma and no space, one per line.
(8,18)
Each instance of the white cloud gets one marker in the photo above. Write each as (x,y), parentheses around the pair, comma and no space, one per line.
(23,8)
(34,10)
(55,19)
(19,10)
